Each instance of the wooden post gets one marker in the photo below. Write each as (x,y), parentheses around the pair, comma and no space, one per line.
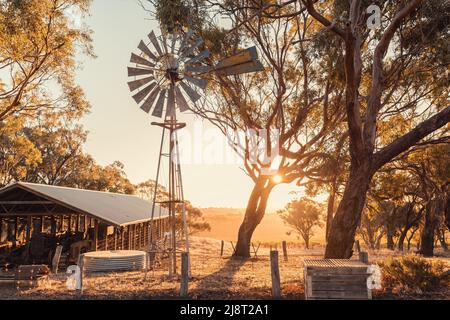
(106,240)
(95,234)
(77,223)
(16,230)
(130,238)
(221,248)
(122,239)
(81,266)
(275,272)
(53,225)
(138,236)
(29,223)
(61,222)
(364,257)
(1,229)
(42,224)
(285,251)
(115,238)
(184,274)
(69,223)
(56,258)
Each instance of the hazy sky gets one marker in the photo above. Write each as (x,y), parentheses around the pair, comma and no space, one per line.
(119,130)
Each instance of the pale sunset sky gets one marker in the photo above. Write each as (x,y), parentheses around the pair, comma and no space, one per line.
(119,130)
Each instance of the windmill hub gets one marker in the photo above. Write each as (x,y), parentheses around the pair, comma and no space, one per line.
(167,71)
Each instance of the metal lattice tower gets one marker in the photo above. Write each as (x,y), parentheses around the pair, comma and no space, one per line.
(171,72)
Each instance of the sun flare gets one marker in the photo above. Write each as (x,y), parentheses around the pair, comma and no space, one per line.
(277,179)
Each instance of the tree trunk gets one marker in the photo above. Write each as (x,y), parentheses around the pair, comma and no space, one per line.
(447,211)
(330,209)
(306,239)
(429,229)
(401,239)
(348,214)
(390,227)
(256,208)
(409,239)
(441,236)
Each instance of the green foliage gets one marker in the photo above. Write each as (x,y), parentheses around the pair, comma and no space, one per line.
(39,40)
(195,220)
(178,15)
(413,274)
(302,216)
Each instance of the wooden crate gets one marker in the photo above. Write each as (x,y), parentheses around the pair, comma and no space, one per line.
(336,279)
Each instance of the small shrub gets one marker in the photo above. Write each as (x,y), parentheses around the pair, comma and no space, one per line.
(413,274)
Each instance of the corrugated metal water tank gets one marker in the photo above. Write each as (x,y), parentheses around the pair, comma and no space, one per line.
(111,261)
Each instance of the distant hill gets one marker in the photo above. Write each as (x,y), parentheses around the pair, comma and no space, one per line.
(225,224)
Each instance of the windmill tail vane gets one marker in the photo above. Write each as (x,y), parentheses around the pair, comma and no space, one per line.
(170,72)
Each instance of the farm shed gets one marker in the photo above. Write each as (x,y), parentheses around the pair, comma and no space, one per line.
(36,218)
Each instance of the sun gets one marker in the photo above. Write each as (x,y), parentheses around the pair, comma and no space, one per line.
(277,179)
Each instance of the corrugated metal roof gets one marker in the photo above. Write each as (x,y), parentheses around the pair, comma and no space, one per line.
(117,209)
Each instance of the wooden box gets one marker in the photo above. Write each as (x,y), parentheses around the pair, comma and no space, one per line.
(336,279)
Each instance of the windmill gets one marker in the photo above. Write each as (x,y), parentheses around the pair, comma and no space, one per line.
(171,72)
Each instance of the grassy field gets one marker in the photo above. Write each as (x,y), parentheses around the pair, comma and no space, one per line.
(212,277)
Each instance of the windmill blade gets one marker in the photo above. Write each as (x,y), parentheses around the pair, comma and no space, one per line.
(155,42)
(201,83)
(136,84)
(185,41)
(133,72)
(191,50)
(198,69)
(248,67)
(174,42)
(165,47)
(170,111)
(181,101)
(157,112)
(201,56)
(138,97)
(194,96)
(143,47)
(139,60)
(148,103)
(245,56)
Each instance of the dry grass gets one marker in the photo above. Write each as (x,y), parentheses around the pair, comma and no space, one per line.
(212,277)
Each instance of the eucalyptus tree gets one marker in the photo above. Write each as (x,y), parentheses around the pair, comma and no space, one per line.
(396,72)
(39,41)
(290,108)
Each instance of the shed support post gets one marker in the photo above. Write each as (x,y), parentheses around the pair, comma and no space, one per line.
(69,224)
(134,237)
(53,225)
(42,224)
(16,227)
(122,239)
(1,229)
(115,238)
(77,223)
(61,222)
(138,236)
(29,223)
(130,237)
(95,234)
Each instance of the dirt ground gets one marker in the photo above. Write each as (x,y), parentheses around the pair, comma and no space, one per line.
(213,277)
